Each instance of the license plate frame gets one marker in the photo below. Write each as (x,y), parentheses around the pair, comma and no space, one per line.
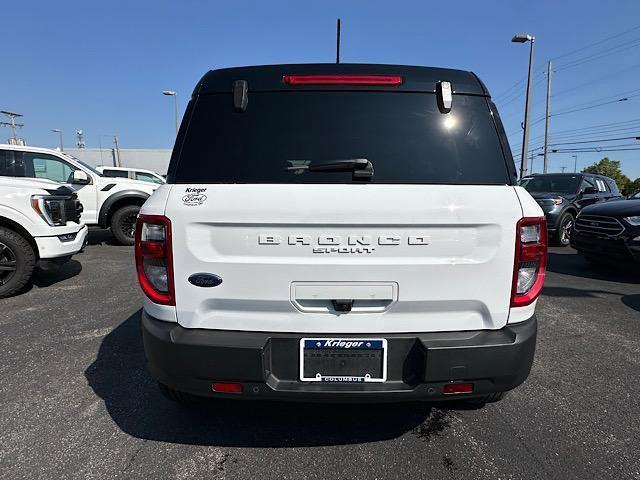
(346,344)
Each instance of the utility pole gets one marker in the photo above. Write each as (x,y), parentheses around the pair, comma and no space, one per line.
(563,169)
(546,122)
(115,142)
(14,140)
(575,163)
(338,42)
(531,169)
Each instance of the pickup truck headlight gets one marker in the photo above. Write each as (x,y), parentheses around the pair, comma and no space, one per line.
(635,221)
(51,209)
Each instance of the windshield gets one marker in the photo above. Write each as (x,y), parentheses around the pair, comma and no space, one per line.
(85,165)
(403,135)
(551,183)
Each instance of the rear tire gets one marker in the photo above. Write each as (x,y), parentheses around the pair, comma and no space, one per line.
(563,235)
(17,261)
(123,224)
(176,396)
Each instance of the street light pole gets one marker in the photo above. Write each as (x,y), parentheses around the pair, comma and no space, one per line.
(523,38)
(59,131)
(547,115)
(171,93)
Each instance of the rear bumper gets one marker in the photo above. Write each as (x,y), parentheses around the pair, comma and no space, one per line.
(419,365)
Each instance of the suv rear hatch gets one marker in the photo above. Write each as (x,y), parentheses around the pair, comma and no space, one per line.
(305,244)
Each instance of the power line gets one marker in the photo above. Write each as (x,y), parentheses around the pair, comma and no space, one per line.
(599,149)
(564,112)
(604,53)
(625,126)
(611,96)
(600,125)
(597,140)
(591,82)
(504,103)
(599,42)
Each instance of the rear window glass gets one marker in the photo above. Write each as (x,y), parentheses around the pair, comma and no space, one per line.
(551,184)
(403,135)
(115,173)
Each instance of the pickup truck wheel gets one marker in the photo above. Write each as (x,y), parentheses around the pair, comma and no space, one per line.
(175,395)
(563,236)
(17,261)
(123,224)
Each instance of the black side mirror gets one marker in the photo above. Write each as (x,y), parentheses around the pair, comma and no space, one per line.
(589,191)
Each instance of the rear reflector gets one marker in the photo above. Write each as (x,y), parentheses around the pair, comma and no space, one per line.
(383,80)
(225,387)
(453,388)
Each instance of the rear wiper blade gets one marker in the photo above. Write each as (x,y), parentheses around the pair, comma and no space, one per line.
(361,167)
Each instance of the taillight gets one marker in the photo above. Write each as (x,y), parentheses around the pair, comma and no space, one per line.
(530,260)
(153,258)
(382,80)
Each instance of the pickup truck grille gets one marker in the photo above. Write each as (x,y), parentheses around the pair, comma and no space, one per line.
(73,208)
(598,225)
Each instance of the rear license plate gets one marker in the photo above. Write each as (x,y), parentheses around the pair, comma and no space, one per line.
(343,360)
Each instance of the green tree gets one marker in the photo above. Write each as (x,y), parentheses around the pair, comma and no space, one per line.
(632,187)
(611,169)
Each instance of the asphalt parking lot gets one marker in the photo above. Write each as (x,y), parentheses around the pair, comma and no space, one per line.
(76,401)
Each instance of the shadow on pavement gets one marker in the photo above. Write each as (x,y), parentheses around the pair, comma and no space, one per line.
(575,292)
(52,274)
(577,266)
(119,377)
(632,301)
(45,277)
(100,237)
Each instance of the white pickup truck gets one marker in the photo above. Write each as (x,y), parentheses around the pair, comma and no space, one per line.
(39,222)
(108,202)
(341,233)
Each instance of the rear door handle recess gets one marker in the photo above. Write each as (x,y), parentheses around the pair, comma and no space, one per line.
(343,297)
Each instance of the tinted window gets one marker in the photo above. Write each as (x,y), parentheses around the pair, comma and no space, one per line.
(612,185)
(552,183)
(147,177)
(587,182)
(403,135)
(115,173)
(11,164)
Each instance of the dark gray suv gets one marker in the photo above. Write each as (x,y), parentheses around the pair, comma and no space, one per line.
(563,195)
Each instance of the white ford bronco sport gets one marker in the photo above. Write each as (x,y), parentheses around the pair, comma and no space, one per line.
(39,222)
(340,233)
(108,202)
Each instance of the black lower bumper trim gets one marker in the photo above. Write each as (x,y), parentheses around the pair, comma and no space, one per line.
(419,365)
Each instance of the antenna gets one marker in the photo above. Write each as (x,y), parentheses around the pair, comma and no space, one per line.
(338,42)
(80,137)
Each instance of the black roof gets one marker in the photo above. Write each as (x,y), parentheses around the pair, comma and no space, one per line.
(269,78)
(565,174)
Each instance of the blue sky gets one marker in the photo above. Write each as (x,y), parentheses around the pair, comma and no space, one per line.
(101,66)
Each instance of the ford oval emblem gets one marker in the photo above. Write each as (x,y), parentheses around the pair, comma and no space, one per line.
(205,280)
